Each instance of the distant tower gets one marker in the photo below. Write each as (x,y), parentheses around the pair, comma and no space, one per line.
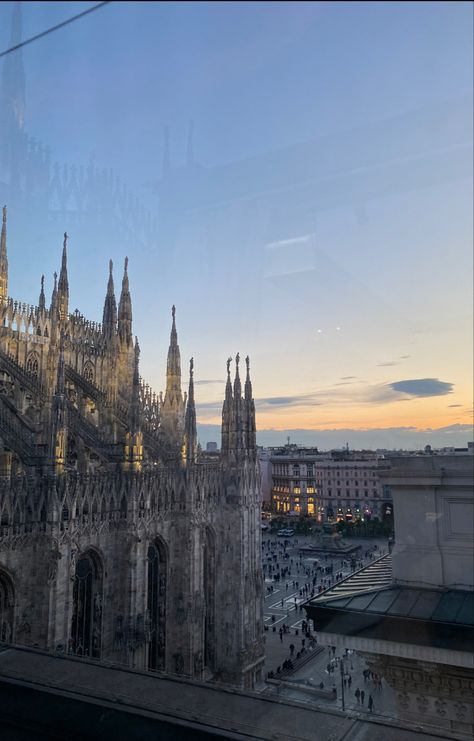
(3,260)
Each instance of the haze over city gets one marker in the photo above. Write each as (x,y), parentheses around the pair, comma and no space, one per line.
(274,236)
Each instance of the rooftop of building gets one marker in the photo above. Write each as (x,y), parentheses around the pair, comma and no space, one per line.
(368,600)
(57,697)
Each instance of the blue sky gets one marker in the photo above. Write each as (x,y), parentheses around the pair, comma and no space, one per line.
(346,257)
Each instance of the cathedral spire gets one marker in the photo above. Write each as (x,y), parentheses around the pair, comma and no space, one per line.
(125,310)
(190,431)
(236,442)
(3,260)
(237,384)
(135,405)
(54,297)
(42,298)
(249,416)
(109,320)
(248,382)
(134,437)
(173,403)
(63,285)
(173,365)
(227,413)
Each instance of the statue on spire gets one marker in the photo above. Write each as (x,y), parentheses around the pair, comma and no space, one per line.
(191,367)
(173,311)
(4,214)
(66,237)
(229,361)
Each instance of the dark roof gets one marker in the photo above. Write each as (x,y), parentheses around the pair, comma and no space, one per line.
(370,605)
(418,604)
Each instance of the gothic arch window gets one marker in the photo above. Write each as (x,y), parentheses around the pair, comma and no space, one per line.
(209,592)
(86,626)
(7,602)
(32,364)
(89,373)
(156,605)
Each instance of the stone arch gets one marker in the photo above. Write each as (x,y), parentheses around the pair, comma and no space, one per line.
(209,593)
(7,607)
(157,580)
(33,364)
(86,624)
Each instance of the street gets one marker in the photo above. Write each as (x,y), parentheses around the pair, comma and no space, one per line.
(289,581)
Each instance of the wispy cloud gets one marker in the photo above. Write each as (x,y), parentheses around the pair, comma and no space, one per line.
(347,378)
(388,363)
(207,382)
(452,406)
(339,395)
(423,387)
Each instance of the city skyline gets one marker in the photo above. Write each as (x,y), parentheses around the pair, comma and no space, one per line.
(355,311)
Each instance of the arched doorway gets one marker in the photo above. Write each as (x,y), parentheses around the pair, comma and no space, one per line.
(156,605)
(86,628)
(7,602)
(209,591)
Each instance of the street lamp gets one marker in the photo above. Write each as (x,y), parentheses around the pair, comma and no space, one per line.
(342,683)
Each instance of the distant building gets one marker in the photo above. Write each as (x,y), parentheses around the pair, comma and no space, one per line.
(211,448)
(336,486)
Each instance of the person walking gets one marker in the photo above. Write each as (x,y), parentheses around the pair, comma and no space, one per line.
(371,703)
(349,681)
(357,694)
(362,695)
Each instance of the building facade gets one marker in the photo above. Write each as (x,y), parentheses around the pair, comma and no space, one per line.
(111,523)
(338,486)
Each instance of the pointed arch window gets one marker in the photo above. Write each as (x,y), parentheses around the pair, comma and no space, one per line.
(7,602)
(156,605)
(209,579)
(86,626)
(89,372)
(32,364)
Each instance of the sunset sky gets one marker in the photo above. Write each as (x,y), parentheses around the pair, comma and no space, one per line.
(323,223)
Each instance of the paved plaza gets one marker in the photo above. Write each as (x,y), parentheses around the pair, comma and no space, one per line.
(290,579)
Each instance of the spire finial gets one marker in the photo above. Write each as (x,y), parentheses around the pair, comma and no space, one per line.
(42,282)
(237,361)
(66,237)
(229,361)
(4,214)
(111,266)
(126,265)
(247,363)
(173,311)
(191,367)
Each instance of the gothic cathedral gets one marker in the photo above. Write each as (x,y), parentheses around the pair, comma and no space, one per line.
(119,540)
